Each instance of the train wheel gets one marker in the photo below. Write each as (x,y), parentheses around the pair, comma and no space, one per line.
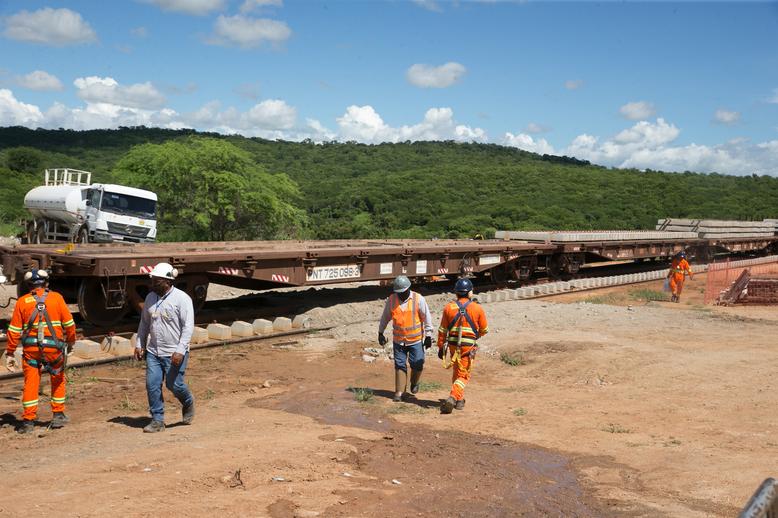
(92,304)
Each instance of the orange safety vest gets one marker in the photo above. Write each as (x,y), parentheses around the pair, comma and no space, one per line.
(29,325)
(407,326)
(453,320)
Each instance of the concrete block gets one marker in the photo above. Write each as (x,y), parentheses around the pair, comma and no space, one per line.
(262,326)
(86,349)
(501,296)
(117,346)
(302,322)
(134,340)
(219,332)
(241,329)
(282,324)
(199,336)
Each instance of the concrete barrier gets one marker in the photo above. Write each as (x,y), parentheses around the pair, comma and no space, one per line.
(86,349)
(219,332)
(301,322)
(117,345)
(262,326)
(239,328)
(199,336)
(282,324)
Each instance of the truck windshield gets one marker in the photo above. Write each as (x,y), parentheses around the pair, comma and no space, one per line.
(129,205)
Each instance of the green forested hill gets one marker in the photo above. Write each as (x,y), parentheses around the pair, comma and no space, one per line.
(419,189)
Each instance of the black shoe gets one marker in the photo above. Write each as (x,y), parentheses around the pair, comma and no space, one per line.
(59,420)
(397,397)
(448,405)
(154,426)
(188,413)
(460,404)
(414,388)
(26,427)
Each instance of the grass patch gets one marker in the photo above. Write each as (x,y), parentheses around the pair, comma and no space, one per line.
(362,394)
(208,394)
(648,295)
(72,375)
(607,298)
(615,428)
(427,386)
(520,412)
(513,359)
(126,404)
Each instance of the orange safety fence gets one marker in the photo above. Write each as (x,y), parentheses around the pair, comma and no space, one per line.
(721,275)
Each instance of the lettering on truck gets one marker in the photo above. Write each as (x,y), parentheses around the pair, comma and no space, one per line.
(330,273)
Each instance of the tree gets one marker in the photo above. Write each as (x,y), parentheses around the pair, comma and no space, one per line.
(211,190)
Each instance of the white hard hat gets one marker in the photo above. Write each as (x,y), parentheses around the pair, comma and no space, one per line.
(164,270)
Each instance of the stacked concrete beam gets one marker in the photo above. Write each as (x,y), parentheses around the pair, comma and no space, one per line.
(595,236)
(718,229)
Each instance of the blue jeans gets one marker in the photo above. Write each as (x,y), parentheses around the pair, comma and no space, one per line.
(159,368)
(403,352)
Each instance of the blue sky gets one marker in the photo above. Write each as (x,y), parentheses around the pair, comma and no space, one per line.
(662,85)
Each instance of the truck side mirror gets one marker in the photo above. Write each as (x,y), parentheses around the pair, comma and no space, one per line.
(88,203)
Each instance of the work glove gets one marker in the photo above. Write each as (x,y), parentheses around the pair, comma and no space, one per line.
(381,340)
(10,363)
(441,352)
(427,342)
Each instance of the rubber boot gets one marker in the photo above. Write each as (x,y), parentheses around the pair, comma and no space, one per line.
(460,404)
(59,420)
(400,379)
(448,405)
(415,377)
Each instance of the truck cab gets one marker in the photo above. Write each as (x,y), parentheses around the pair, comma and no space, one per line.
(119,213)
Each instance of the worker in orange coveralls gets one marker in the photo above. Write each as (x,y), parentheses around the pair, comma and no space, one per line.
(41,321)
(677,274)
(463,322)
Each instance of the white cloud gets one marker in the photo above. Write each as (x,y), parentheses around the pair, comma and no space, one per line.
(535,128)
(57,27)
(527,143)
(255,5)
(574,84)
(17,113)
(106,90)
(272,114)
(430,5)
(39,80)
(193,7)
(140,32)
(774,98)
(726,117)
(648,145)
(247,32)
(427,76)
(364,124)
(638,110)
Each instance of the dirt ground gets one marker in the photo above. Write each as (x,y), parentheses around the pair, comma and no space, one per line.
(590,404)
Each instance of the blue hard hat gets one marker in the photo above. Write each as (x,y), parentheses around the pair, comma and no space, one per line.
(463,286)
(681,254)
(36,276)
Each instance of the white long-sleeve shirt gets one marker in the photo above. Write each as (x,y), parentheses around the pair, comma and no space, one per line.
(423,309)
(167,323)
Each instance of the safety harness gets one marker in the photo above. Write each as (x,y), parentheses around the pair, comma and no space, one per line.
(40,313)
(457,356)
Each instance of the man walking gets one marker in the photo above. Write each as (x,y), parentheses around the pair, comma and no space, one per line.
(463,322)
(44,326)
(166,326)
(411,334)
(679,269)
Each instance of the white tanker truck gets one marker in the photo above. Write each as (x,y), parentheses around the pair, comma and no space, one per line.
(70,208)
